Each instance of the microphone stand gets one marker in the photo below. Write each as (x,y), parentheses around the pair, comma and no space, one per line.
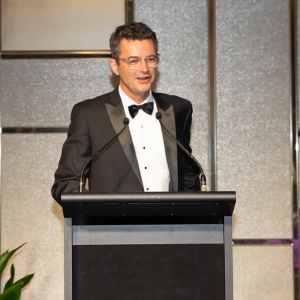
(202,175)
(81,181)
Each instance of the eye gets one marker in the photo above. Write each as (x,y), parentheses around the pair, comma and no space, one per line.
(151,59)
(133,61)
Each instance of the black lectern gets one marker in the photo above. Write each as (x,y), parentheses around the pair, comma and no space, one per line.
(140,246)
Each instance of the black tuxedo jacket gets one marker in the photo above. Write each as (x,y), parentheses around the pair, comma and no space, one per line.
(94,122)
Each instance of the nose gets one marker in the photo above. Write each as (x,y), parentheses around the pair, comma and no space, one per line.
(143,67)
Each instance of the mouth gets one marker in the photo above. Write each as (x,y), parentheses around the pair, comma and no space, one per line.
(143,79)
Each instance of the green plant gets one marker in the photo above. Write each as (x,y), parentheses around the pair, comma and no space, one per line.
(12,291)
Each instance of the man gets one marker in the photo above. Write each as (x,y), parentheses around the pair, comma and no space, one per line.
(143,158)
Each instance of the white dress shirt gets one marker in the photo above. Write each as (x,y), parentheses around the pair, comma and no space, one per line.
(149,146)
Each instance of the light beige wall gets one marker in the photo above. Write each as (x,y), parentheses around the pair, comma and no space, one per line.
(59,24)
(263,272)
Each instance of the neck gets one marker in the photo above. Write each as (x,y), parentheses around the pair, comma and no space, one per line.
(138,100)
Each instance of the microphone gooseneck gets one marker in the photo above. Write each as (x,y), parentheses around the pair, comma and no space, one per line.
(202,175)
(81,181)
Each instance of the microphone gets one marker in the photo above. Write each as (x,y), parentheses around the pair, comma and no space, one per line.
(202,175)
(81,181)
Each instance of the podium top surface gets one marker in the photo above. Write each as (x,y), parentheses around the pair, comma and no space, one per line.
(153,207)
(151,197)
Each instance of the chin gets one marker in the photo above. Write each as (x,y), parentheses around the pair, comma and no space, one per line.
(145,88)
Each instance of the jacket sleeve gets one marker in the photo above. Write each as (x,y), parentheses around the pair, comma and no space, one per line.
(75,152)
(188,172)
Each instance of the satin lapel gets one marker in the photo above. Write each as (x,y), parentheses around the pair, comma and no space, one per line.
(116,114)
(168,119)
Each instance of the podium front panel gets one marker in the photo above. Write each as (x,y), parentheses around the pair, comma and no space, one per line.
(147,272)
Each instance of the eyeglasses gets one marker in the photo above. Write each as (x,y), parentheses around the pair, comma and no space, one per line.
(134,63)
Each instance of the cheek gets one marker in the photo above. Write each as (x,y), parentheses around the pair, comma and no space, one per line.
(131,76)
(153,73)
(128,76)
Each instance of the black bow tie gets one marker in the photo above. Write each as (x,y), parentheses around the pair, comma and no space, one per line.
(147,108)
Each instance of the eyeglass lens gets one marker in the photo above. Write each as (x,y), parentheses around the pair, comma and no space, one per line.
(134,63)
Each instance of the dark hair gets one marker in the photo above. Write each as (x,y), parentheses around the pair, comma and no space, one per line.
(130,31)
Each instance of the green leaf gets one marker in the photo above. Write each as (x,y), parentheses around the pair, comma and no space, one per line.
(5,257)
(25,280)
(10,281)
(12,293)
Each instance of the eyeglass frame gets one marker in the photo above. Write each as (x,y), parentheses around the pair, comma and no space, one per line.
(140,60)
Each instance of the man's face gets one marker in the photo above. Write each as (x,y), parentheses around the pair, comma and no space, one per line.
(136,84)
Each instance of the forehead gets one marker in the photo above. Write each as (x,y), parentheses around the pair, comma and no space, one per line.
(137,48)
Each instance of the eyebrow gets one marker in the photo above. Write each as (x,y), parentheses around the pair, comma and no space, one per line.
(139,57)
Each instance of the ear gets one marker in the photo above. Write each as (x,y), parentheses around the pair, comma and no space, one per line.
(114,66)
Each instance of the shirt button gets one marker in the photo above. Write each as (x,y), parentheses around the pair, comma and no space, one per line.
(147,189)
(144,147)
(145,167)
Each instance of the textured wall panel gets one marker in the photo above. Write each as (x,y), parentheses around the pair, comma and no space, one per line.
(263,272)
(59,24)
(181,29)
(29,214)
(253,114)
(42,92)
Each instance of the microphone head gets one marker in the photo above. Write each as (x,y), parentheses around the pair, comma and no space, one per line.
(125,121)
(158,115)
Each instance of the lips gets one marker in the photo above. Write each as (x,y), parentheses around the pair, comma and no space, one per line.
(143,79)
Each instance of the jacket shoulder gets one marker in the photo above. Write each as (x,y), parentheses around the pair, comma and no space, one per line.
(174,100)
(93,103)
